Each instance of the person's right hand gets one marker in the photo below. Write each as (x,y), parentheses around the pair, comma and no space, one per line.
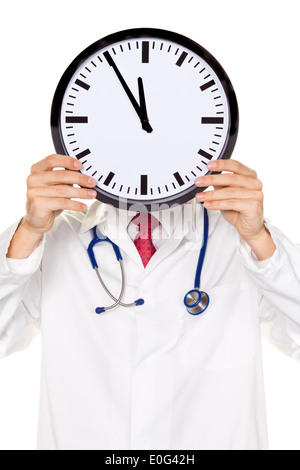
(51,191)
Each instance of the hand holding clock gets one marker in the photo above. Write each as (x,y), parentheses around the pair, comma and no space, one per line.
(49,194)
(239,197)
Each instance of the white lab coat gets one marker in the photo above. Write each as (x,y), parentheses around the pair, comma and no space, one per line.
(152,376)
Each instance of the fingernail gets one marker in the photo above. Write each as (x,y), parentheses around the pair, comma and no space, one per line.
(212,165)
(92,193)
(200,197)
(199,181)
(77,164)
(92,181)
(84,207)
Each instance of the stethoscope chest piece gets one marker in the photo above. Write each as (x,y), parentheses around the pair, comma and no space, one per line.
(196,301)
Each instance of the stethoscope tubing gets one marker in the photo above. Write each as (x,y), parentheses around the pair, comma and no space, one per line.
(195,301)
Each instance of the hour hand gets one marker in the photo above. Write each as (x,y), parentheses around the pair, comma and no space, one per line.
(144,115)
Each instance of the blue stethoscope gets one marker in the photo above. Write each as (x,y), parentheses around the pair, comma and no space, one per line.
(195,301)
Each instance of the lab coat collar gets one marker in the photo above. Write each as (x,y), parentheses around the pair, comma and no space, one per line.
(104,215)
(178,222)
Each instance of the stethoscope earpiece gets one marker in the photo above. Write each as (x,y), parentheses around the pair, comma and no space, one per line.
(196,301)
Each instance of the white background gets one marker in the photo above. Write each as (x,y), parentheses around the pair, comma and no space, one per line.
(257,43)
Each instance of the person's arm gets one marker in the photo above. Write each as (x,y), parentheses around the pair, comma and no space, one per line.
(49,193)
(21,246)
(272,261)
(238,195)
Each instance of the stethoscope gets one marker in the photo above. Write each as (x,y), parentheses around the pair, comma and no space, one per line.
(195,301)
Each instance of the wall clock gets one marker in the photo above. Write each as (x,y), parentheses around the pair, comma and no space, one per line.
(145,110)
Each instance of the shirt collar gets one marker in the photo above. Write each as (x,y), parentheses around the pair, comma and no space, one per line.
(104,215)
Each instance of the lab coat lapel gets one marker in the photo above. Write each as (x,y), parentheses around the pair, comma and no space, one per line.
(184,225)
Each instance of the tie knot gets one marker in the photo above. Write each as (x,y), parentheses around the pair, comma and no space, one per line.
(146,223)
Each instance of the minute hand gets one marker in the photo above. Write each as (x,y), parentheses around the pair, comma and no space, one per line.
(132,99)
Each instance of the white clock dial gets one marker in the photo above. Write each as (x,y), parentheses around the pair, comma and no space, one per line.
(103,121)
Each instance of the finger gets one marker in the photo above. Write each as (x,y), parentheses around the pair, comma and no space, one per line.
(249,206)
(58,191)
(64,177)
(230,193)
(229,179)
(56,161)
(44,204)
(233,166)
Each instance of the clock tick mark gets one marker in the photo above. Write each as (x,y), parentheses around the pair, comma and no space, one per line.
(205,154)
(86,68)
(83,154)
(201,71)
(145,52)
(212,120)
(77,119)
(181,59)
(144,185)
(109,178)
(82,84)
(207,85)
(178,178)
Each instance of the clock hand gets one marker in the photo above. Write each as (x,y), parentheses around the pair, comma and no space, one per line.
(145,120)
(132,99)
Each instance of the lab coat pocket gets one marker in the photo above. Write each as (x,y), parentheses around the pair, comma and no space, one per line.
(224,335)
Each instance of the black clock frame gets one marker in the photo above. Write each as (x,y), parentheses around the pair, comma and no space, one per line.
(139,33)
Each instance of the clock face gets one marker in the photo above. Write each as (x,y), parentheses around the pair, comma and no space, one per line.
(145,110)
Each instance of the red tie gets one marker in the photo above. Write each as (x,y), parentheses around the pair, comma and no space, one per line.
(143,242)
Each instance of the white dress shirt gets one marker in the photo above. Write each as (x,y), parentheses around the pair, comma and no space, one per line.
(151,376)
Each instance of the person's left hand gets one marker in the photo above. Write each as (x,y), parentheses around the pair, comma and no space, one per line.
(237,194)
